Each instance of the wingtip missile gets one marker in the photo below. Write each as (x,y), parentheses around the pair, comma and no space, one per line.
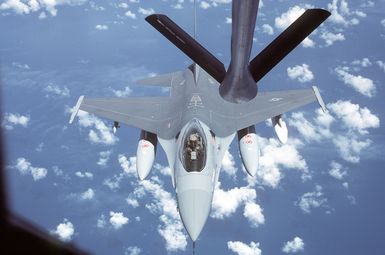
(76,109)
(319,99)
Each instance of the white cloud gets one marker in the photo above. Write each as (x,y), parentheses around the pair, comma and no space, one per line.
(365,62)
(324,119)
(244,249)
(171,229)
(130,14)
(354,117)
(253,212)
(101,27)
(122,93)
(308,43)
(271,160)
(267,29)
(123,5)
(225,203)
(25,167)
(294,246)
(177,6)
(132,202)
(330,38)
(165,170)
(38,173)
(64,230)
(381,65)
(146,11)
(350,123)
(114,182)
(351,199)
(128,165)
(367,4)
(56,90)
(173,233)
(101,223)
(58,172)
(304,127)
(363,85)
(228,20)
(21,66)
(88,194)
(302,73)
(336,171)
(311,200)
(39,148)
(204,5)
(96,7)
(10,120)
(342,15)
(50,6)
(16,5)
(228,164)
(104,156)
(87,175)
(287,18)
(118,220)
(383,22)
(42,15)
(350,147)
(132,250)
(101,133)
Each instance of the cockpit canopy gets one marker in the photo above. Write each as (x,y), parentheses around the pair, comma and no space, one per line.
(193,150)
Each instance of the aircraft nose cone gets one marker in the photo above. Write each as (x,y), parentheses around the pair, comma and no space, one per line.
(194,208)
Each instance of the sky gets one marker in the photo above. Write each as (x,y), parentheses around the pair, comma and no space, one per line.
(321,193)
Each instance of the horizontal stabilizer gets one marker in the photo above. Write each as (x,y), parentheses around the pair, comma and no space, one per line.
(188,45)
(163,80)
(286,42)
(319,99)
(76,109)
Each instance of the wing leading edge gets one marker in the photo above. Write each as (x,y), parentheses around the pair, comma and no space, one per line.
(153,114)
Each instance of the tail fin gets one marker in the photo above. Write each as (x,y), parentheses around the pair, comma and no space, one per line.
(163,80)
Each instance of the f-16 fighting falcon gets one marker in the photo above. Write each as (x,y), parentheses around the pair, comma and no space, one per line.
(208,105)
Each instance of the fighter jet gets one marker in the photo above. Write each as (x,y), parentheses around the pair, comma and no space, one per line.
(208,105)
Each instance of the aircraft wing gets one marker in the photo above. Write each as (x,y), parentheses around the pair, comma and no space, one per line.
(233,117)
(154,114)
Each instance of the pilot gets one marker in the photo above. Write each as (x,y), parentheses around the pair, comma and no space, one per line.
(193,146)
(193,140)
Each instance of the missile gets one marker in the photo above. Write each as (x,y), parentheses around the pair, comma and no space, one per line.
(280,128)
(145,153)
(249,149)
